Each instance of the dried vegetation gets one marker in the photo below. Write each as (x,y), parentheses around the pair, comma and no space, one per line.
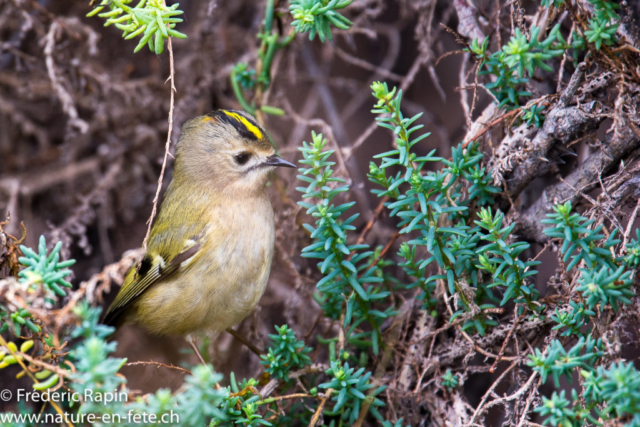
(83,124)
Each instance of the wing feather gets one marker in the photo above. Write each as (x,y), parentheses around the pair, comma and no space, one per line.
(139,279)
(170,245)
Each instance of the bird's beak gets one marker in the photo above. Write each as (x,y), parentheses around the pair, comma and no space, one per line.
(278,161)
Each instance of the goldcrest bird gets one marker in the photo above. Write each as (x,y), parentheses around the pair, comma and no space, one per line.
(209,252)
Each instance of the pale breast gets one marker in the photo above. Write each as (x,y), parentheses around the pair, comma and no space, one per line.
(221,284)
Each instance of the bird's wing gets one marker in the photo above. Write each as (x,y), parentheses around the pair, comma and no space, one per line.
(152,268)
(171,243)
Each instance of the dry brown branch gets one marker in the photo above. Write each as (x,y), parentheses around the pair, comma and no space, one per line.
(624,139)
(382,72)
(480,409)
(513,396)
(81,133)
(506,340)
(63,95)
(468,25)
(273,384)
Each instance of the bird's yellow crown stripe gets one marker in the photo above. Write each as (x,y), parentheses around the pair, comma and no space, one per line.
(250,126)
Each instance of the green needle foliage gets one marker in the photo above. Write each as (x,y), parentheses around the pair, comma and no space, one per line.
(559,362)
(506,268)
(618,386)
(152,20)
(528,52)
(245,76)
(606,286)
(632,259)
(600,32)
(605,9)
(45,269)
(560,411)
(19,318)
(317,16)
(604,23)
(477,256)
(348,286)
(481,187)
(349,388)
(433,208)
(89,324)
(240,404)
(522,53)
(609,392)
(426,283)
(285,354)
(533,115)
(449,380)
(573,319)
(581,242)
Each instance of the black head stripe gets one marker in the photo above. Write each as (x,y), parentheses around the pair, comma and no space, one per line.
(244,124)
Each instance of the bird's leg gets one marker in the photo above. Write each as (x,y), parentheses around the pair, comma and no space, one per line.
(192,341)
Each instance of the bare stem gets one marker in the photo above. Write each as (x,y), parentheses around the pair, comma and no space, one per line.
(167,144)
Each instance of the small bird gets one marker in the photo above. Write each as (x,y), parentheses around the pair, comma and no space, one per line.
(209,252)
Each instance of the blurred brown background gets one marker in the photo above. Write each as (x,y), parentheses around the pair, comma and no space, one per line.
(87,178)
(83,122)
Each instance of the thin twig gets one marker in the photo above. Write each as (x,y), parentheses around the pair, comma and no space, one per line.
(479,410)
(64,97)
(384,251)
(158,364)
(465,335)
(404,85)
(372,221)
(525,412)
(456,322)
(286,397)
(515,395)
(489,126)
(627,232)
(504,344)
(274,383)
(33,378)
(62,373)
(240,338)
(316,415)
(167,144)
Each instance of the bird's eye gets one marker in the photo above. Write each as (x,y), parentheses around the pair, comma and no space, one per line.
(242,158)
